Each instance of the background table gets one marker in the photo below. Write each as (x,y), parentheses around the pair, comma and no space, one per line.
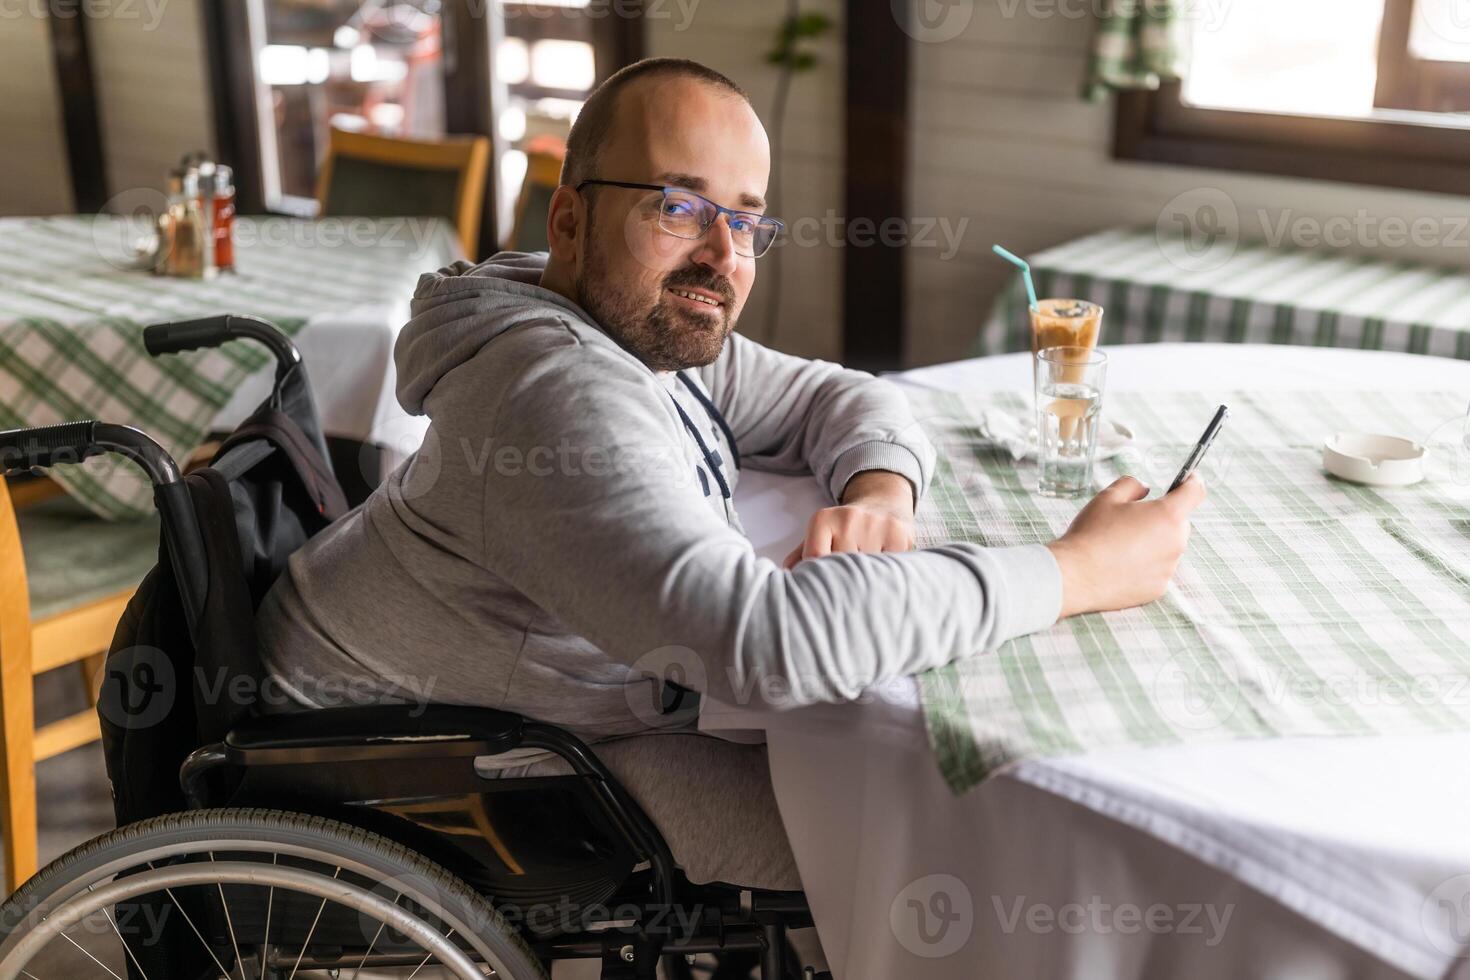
(1331,857)
(72,313)
(1156,289)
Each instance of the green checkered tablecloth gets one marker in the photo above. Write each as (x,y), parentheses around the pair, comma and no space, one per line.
(72,314)
(1160,289)
(1304,606)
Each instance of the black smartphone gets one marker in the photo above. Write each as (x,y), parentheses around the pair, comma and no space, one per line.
(1203,446)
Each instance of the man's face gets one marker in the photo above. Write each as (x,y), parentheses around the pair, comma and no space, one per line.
(633,277)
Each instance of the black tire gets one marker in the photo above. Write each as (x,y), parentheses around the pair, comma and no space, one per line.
(376,862)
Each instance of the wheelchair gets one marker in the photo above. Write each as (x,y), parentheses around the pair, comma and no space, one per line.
(257,845)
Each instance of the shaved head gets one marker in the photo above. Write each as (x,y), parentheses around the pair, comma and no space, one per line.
(595,120)
(670,300)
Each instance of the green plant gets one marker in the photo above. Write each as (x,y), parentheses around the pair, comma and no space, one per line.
(795,29)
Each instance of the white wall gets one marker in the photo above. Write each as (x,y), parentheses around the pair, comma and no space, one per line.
(733,37)
(1001,141)
(34,178)
(152,89)
(1002,138)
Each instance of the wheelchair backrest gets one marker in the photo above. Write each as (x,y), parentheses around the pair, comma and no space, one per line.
(169,689)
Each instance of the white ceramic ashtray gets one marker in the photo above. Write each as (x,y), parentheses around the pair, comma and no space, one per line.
(1379,461)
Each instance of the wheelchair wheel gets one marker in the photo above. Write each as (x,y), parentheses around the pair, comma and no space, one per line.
(249,894)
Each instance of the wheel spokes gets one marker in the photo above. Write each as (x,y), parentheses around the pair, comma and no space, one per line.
(207,948)
(381,927)
(126,948)
(162,881)
(427,957)
(312,931)
(87,953)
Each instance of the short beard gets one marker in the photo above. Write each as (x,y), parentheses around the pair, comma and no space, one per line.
(662,336)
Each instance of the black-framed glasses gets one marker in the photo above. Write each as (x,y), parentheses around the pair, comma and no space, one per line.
(685,214)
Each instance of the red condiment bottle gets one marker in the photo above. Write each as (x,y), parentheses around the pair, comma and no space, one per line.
(224,219)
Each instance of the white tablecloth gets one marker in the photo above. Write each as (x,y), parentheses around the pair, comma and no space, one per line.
(1301,858)
(349,359)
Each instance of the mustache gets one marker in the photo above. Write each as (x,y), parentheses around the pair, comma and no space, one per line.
(695,278)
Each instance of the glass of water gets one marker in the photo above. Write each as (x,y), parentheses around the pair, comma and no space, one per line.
(1069,387)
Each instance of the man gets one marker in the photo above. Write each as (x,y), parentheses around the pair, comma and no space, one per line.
(569,518)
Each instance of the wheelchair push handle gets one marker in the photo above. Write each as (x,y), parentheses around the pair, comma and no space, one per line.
(71,442)
(47,445)
(212,331)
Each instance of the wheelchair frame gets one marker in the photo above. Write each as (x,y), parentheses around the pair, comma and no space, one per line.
(379,767)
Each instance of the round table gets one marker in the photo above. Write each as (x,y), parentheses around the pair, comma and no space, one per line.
(1293,857)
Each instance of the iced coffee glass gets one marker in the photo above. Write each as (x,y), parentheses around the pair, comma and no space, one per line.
(1064,323)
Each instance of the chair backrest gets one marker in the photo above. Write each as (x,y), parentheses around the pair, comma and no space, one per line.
(378,176)
(17,715)
(543,175)
(15,603)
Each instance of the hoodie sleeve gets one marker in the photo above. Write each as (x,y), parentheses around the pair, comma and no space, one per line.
(608,534)
(790,414)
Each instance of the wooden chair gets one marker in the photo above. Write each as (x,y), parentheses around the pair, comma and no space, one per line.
(381,177)
(61,596)
(533,206)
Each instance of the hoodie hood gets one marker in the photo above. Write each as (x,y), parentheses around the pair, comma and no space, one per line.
(459,309)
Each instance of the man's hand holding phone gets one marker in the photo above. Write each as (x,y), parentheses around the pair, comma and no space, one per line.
(1122,550)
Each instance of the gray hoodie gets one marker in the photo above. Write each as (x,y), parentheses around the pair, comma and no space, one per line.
(562,541)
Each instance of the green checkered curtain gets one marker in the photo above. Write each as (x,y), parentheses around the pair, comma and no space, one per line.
(1136,47)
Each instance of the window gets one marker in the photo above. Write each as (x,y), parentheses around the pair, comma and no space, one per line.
(345,64)
(1424,61)
(1286,56)
(1369,91)
(547,63)
(286,71)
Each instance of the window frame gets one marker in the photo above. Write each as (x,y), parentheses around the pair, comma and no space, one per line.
(1400,150)
(1411,83)
(469,83)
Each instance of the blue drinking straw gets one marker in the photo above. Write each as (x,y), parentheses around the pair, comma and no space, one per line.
(1025,268)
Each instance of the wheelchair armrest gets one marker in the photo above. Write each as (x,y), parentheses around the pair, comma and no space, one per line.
(376,731)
